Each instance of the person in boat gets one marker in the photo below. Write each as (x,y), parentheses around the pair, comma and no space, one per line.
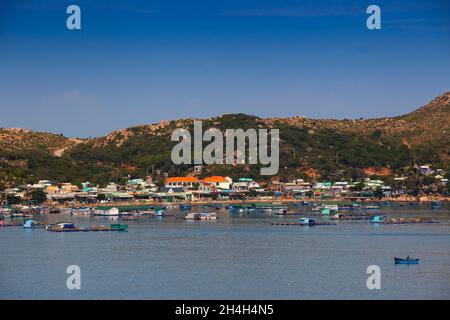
(407,258)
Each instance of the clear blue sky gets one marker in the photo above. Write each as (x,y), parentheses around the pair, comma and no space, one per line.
(137,62)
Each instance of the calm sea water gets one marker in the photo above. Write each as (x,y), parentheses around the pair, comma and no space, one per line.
(235,257)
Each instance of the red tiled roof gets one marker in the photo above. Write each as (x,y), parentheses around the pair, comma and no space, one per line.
(215,179)
(182,179)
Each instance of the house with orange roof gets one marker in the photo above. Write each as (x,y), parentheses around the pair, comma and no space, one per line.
(187,183)
(214,183)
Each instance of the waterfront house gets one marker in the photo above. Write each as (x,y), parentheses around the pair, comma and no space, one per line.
(187,183)
(111,187)
(106,211)
(216,183)
(68,188)
(52,190)
(45,183)
(245,185)
(171,193)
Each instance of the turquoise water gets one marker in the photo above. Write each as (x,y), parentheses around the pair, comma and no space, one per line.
(235,257)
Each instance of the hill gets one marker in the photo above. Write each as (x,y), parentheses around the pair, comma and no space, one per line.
(309,148)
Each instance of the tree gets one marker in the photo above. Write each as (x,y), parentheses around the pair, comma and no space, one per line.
(357,187)
(11,199)
(309,194)
(38,196)
(378,193)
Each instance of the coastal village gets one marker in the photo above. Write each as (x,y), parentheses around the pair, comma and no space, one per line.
(193,189)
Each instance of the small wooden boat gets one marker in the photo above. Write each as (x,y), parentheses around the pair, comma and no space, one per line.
(408,260)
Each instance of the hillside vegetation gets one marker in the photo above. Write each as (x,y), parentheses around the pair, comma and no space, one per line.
(309,148)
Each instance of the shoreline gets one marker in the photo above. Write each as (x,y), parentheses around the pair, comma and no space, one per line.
(424,200)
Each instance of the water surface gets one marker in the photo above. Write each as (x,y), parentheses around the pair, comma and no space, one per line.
(235,257)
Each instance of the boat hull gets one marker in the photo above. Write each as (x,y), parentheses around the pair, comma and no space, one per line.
(406,261)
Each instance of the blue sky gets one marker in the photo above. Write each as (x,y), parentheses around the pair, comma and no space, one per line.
(137,62)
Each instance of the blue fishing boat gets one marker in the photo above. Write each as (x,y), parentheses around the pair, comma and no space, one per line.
(408,260)
(436,205)
(185,207)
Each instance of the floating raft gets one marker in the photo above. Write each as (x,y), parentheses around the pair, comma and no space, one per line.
(350,217)
(407,222)
(301,224)
(68,227)
(10,224)
(383,220)
(289,213)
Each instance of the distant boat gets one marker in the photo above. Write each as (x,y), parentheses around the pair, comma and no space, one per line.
(408,260)
(307,221)
(436,205)
(185,207)
(159,213)
(30,224)
(377,219)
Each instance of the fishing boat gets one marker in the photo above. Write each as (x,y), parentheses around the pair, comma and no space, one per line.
(307,221)
(159,213)
(377,219)
(408,260)
(31,224)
